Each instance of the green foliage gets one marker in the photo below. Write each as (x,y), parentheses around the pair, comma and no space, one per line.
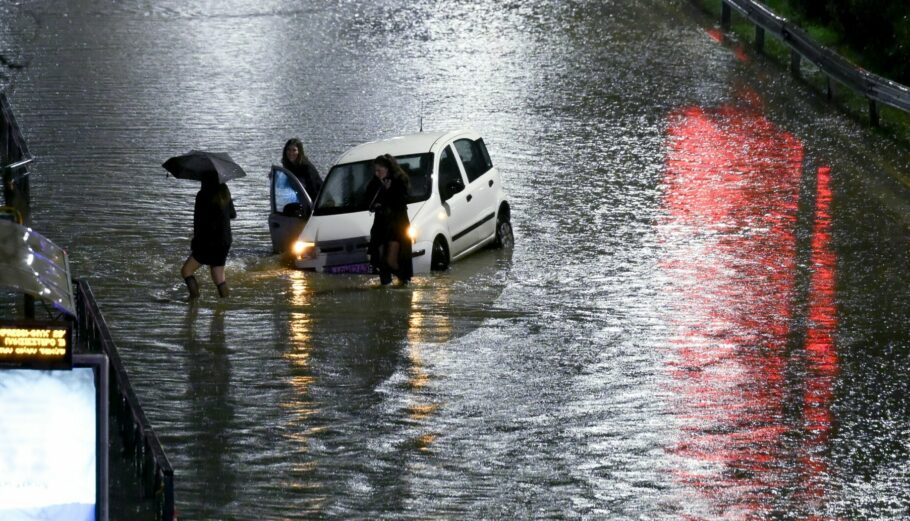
(813,9)
(874,34)
(878,31)
(824,35)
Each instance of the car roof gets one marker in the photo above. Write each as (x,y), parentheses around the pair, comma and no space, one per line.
(400,145)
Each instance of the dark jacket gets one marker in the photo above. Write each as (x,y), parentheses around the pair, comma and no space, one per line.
(306,173)
(212,216)
(391,223)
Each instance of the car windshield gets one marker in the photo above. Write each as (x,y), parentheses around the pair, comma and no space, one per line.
(350,187)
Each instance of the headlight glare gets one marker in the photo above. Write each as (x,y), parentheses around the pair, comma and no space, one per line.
(301,247)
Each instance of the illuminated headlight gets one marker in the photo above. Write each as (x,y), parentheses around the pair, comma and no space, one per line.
(300,248)
(412,233)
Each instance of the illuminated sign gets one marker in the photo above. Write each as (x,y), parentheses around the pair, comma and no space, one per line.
(54,442)
(40,345)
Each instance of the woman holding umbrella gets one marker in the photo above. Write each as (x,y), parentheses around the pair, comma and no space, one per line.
(212,213)
(212,239)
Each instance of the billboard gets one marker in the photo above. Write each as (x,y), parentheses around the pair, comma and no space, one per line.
(53,442)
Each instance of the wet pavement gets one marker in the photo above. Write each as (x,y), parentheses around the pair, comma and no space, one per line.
(703,317)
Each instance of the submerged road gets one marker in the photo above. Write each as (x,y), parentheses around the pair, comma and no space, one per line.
(705,315)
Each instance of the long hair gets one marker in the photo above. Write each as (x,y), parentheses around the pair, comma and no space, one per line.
(395,170)
(218,192)
(301,156)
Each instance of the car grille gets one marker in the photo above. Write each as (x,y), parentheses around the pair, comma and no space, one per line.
(344,251)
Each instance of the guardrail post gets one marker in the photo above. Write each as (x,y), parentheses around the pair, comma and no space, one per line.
(140,443)
(795,58)
(876,89)
(759,39)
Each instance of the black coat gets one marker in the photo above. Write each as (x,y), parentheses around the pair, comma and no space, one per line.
(306,173)
(212,216)
(391,223)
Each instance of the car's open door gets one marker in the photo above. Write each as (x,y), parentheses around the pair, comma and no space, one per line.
(291,207)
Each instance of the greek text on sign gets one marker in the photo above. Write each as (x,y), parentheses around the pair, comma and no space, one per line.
(35,344)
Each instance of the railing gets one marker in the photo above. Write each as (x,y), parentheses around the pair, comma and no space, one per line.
(874,88)
(155,472)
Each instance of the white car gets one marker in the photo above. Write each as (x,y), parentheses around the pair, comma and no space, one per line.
(457,207)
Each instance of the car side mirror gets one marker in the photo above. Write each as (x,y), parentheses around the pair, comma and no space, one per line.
(295,210)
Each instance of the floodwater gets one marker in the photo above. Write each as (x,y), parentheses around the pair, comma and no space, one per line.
(705,315)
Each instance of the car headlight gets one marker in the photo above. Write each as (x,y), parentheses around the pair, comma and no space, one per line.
(412,233)
(301,248)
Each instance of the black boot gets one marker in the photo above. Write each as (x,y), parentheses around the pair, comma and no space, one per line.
(193,286)
(223,289)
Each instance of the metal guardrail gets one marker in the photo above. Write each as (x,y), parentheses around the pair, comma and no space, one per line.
(139,439)
(155,471)
(874,88)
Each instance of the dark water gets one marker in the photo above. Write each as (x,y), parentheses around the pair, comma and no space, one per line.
(704,317)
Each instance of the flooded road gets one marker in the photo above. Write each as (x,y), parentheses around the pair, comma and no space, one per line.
(704,315)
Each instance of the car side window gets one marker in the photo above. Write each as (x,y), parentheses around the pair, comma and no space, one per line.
(473,157)
(450,182)
(288,199)
(417,168)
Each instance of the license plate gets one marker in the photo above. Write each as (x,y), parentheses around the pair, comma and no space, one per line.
(349,268)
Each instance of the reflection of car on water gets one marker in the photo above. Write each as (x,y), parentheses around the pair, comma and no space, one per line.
(291,206)
(457,204)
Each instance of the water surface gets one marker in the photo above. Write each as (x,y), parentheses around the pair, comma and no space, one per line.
(703,316)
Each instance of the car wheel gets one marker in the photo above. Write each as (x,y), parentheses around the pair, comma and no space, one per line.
(439,261)
(504,237)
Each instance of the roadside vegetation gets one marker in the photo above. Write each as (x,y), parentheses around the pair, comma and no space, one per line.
(873,34)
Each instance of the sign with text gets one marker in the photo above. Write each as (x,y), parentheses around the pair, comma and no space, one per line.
(37,345)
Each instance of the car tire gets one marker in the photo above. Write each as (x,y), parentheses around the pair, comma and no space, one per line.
(504,237)
(439,259)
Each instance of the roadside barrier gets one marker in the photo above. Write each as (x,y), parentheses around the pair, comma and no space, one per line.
(876,89)
(140,441)
(155,473)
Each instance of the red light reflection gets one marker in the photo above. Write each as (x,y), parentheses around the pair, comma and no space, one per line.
(715,34)
(718,36)
(731,208)
(821,357)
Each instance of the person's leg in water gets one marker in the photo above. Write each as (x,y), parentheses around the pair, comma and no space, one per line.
(218,279)
(385,275)
(391,258)
(187,271)
(394,252)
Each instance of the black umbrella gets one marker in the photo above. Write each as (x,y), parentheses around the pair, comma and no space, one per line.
(197,164)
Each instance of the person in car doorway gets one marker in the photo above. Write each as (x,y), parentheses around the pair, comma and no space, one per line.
(212,239)
(296,162)
(390,245)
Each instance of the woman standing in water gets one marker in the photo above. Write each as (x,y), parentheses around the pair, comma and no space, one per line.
(212,239)
(390,245)
(296,162)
